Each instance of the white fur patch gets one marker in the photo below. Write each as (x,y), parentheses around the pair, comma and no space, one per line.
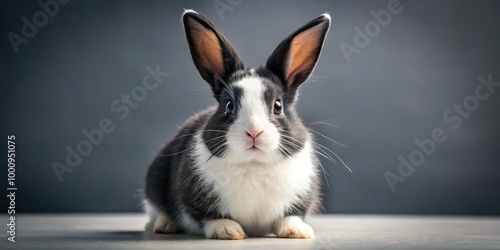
(152,212)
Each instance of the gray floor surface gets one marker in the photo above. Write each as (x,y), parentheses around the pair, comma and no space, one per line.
(124,231)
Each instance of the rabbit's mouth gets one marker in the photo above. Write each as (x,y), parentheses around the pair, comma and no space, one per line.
(254,148)
(254,144)
(252,153)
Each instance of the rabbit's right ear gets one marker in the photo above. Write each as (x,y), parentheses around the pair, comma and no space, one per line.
(213,55)
(295,57)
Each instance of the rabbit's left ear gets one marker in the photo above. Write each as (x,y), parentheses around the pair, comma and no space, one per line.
(295,57)
(213,55)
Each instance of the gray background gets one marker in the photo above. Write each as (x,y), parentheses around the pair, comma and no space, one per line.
(393,92)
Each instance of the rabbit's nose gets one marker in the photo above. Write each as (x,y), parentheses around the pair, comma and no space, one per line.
(254,134)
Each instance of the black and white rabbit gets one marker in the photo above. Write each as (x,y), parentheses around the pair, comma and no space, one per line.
(247,166)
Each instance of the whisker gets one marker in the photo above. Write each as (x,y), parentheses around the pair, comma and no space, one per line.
(325,174)
(320,151)
(343,163)
(215,145)
(326,137)
(331,119)
(192,134)
(180,152)
(312,80)
(215,138)
(324,123)
(213,130)
(217,150)
(323,77)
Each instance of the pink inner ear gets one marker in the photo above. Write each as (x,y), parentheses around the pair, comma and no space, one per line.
(207,45)
(303,49)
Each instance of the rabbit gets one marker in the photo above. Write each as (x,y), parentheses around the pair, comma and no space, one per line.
(246,166)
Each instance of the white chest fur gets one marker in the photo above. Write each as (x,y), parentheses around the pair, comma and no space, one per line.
(255,194)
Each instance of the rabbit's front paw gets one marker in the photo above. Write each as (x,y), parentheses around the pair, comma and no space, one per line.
(224,229)
(293,227)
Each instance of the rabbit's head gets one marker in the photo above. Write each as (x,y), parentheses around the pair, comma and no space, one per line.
(256,119)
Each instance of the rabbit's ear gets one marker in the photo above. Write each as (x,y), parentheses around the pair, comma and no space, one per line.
(295,57)
(213,55)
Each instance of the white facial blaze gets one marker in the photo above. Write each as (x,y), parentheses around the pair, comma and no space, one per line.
(253,116)
(253,111)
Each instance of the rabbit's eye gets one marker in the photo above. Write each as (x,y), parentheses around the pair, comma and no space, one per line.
(278,108)
(229,107)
